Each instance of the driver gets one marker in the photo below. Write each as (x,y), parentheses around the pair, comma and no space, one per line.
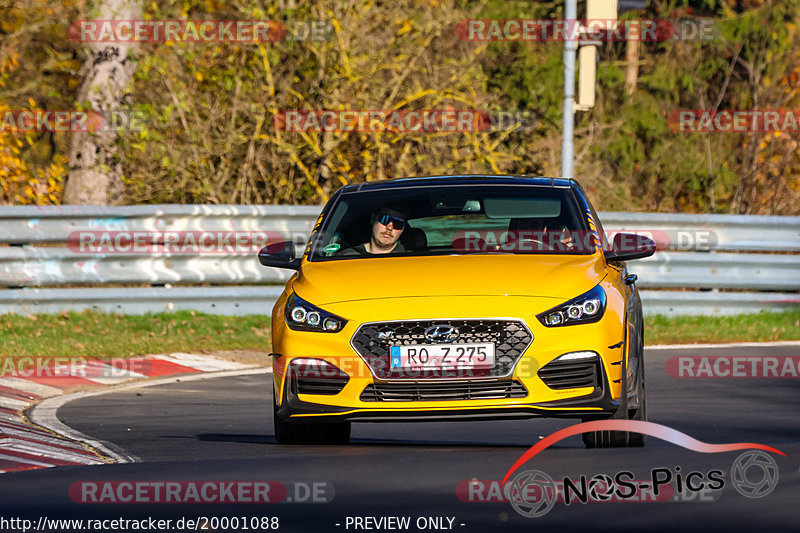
(387,226)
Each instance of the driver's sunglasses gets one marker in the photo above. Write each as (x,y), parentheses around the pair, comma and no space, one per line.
(397,223)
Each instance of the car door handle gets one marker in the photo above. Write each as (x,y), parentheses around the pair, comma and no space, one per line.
(630,279)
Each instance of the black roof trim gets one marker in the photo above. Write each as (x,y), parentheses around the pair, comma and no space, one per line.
(467,179)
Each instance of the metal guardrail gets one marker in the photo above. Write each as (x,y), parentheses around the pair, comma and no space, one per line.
(52,224)
(39,267)
(736,233)
(697,256)
(671,303)
(234,300)
(259,299)
(28,266)
(718,271)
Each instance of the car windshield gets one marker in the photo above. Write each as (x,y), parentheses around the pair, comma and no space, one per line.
(453,220)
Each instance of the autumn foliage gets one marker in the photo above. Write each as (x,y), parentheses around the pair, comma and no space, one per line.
(209,133)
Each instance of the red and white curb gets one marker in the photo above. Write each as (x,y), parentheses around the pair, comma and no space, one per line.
(24,446)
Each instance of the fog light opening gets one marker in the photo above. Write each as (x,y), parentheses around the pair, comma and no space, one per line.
(304,367)
(577,356)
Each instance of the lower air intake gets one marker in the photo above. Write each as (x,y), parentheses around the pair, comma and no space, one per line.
(570,374)
(439,391)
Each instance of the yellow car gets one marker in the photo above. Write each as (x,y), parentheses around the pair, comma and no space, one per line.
(457,298)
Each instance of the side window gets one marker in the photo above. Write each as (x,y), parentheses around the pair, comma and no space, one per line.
(322,243)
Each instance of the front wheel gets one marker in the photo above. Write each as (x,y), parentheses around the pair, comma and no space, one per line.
(623,439)
(638,440)
(308,432)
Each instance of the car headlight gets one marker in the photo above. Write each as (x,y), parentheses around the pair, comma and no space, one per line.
(584,309)
(302,316)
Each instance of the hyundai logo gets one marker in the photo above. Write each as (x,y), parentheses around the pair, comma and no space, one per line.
(442,333)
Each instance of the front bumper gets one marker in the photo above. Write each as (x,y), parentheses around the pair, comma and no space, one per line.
(604,337)
(598,404)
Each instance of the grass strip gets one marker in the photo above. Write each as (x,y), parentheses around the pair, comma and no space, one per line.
(96,335)
(782,326)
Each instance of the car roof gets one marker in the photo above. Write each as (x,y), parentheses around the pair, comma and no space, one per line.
(467,179)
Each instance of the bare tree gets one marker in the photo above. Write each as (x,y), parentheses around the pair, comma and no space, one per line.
(632,60)
(95,174)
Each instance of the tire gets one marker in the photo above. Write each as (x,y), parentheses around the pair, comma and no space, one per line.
(606,439)
(620,439)
(623,439)
(308,433)
(638,440)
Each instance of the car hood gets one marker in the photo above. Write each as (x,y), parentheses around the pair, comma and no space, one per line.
(551,276)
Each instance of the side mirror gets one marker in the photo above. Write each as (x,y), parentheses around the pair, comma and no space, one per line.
(279,255)
(628,246)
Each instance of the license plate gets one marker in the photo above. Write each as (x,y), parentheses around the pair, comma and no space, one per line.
(420,356)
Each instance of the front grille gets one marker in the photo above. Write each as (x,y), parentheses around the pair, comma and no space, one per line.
(441,391)
(510,337)
(570,374)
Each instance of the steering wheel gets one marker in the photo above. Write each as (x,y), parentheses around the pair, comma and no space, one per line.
(535,241)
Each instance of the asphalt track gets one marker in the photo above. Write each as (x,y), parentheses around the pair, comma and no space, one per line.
(221,429)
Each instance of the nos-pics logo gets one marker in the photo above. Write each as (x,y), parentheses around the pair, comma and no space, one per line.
(533,493)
